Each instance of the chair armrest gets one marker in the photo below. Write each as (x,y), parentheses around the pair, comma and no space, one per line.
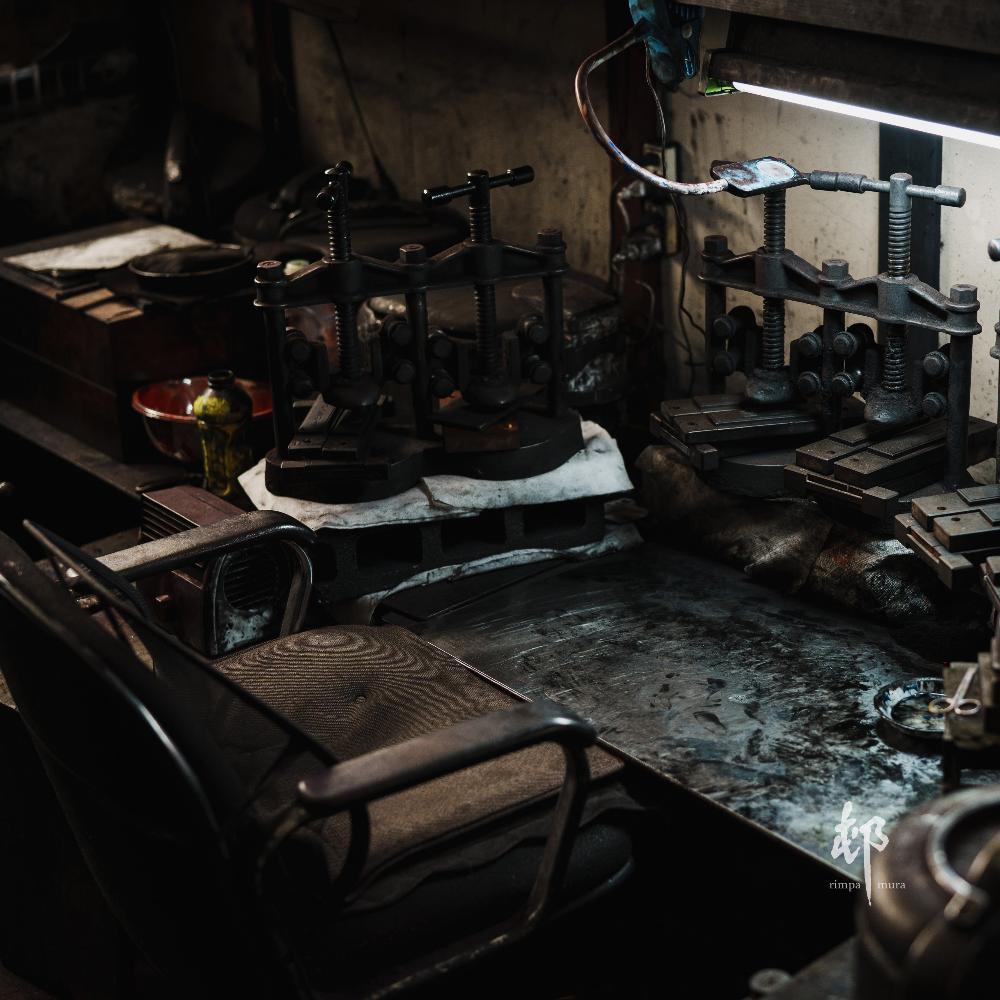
(197,544)
(392,769)
(423,758)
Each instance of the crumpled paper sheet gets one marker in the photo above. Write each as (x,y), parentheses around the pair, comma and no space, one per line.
(107,251)
(597,469)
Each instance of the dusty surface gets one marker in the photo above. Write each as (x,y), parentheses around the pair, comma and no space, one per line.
(757,700)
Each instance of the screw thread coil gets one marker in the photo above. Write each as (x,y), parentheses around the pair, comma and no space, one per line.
(348,345)
(894,365)
(480,223)
(774,221)
(488,348)
(772,344)
(338,232)
(900,224)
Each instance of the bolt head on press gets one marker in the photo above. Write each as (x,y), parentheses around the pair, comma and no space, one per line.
(269,269)
(550,239)
(412,253)
(845,344)
(936,364)
(835,269)
(934,405)
(965,295)
(716,245)
(809,384)
(811,344)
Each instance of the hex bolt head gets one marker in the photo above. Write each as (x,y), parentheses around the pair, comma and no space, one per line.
(934,405)
(845,344)
(811,345)
(936,364)
(716,245)
(535,331)
(400,332)
(412,253)
(270,270)
(539,372)
(964,294)
(550,239)
(835,269)
(723,327)
(723,363)
(809,384)
(843,384)
(440,346)
(404,372)
(302,386)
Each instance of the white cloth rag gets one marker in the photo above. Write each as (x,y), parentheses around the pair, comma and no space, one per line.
(596,470)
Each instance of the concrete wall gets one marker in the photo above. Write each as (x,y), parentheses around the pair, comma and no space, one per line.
(466,83)
(462,84)
(822,225)
(216,56)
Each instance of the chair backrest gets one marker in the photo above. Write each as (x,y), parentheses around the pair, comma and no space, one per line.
(160,813)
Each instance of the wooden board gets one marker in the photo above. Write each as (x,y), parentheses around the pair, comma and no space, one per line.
(961,24)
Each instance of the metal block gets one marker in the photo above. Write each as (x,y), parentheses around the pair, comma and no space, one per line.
(967,531)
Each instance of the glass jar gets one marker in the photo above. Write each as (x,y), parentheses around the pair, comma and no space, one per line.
(223,412)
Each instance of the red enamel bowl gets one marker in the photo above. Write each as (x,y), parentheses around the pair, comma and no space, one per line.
(167,406)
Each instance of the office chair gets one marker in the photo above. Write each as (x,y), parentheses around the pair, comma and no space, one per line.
(341,812)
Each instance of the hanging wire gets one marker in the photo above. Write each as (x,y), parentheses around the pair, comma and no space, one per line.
(680,215)
(636,34)
(385,181)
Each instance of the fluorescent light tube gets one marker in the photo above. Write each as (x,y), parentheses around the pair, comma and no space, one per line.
(871,114)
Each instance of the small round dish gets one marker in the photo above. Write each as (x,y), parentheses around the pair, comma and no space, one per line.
(193,270)
(907,707)
(167,410)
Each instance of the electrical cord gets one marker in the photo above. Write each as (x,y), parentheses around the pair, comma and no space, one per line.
(635,34)
(680,216)
(614,267)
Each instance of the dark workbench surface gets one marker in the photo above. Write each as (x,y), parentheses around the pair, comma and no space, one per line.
(761,702)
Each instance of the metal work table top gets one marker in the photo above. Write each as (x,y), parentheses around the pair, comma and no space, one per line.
(759,701)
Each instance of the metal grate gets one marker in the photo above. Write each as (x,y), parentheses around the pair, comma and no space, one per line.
(251,580)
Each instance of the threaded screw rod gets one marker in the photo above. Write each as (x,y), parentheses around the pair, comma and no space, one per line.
(338,233)
(774,221)
(900,230)
(894,364)
(773,327)
(900,225)
(489,353)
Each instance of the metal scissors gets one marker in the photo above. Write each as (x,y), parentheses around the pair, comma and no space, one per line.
(960,704)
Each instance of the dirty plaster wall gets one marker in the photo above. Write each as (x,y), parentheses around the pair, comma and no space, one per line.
(216,57)
(463,84)
(821,224)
